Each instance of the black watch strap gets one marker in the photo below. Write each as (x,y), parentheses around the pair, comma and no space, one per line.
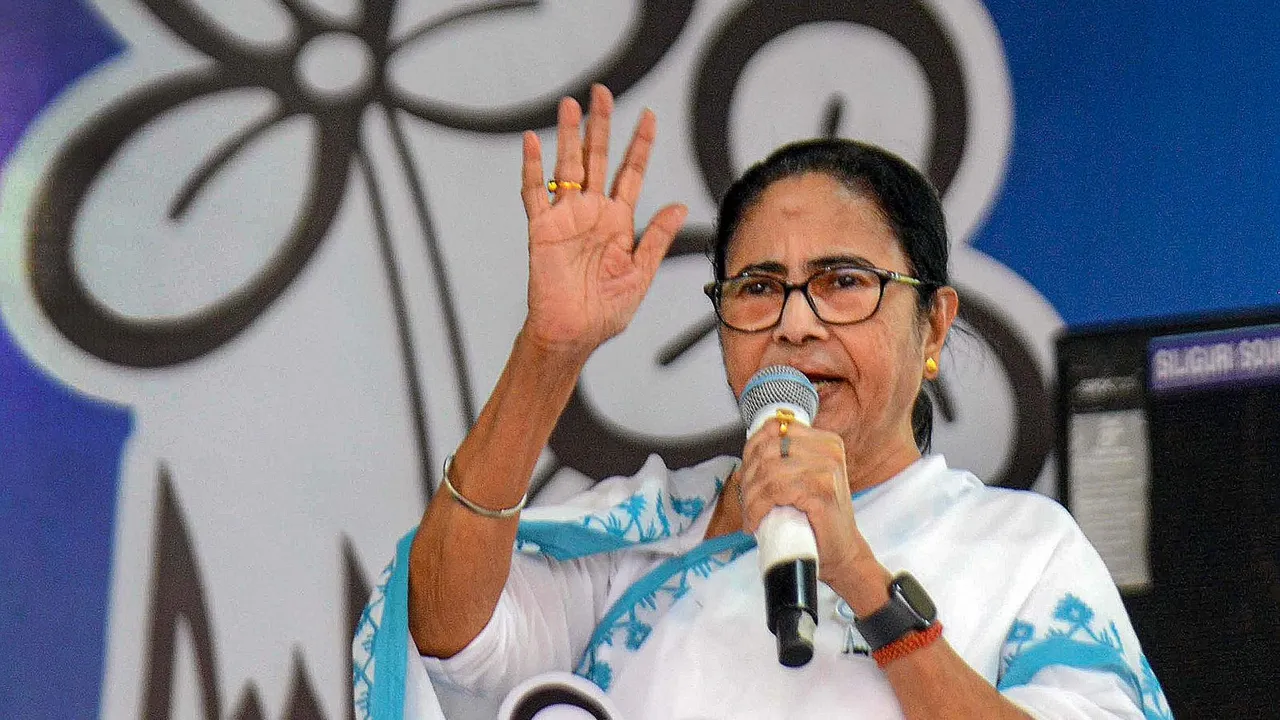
(909,608)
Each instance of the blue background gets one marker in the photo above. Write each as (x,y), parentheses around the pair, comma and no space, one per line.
(1142,183)
(1143,179)
(59,451)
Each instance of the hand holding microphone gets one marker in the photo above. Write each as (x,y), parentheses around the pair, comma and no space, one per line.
(788,548)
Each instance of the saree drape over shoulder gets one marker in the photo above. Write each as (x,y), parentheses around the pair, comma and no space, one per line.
(619,586)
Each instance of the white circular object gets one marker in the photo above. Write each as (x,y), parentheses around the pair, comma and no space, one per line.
(335,66)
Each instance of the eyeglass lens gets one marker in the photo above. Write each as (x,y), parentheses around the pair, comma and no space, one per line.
(838,295)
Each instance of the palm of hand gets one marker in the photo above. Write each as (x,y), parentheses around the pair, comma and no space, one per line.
(587,271)
(584,282)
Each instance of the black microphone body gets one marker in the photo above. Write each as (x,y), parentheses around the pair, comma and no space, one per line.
(787,547)
(791,608)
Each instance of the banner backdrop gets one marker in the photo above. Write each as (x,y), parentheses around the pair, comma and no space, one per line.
(262,260)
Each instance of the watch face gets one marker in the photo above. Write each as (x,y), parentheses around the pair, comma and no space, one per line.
(910,590)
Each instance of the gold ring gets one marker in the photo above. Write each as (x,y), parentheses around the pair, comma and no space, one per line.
(786,446)
(784,417)
(554,186)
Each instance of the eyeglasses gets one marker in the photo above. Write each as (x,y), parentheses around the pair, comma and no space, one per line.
(838,296)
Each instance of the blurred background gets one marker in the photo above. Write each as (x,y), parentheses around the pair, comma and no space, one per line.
(261,262)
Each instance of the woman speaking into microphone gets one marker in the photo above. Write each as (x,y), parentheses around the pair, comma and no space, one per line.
(938,597)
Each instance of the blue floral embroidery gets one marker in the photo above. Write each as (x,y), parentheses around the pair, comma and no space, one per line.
(1021,632)
(645,516)
(1153,692)
(1075,642)
(362,666)
(687,507)
(630,621)
(600,673)
(661,512)
(633,519)
(1072,610)
(692,507)
(637,632)
(379,648)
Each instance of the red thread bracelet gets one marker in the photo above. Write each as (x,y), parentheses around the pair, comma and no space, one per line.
(904,646)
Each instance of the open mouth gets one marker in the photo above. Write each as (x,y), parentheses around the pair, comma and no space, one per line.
(821,381)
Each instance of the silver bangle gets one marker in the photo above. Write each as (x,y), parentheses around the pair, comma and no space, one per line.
(486,512)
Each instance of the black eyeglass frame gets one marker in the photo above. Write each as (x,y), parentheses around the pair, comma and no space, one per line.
(713,291)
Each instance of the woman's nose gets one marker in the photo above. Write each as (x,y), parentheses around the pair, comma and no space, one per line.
(798,322)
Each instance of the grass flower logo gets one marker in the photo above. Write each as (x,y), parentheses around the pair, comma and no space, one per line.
(171,223)
(322,78)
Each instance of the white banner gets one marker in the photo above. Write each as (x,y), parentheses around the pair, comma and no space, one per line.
(289,238)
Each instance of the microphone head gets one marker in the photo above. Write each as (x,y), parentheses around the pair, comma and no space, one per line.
(777,385)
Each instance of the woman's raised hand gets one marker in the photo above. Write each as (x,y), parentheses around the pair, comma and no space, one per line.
(587,273)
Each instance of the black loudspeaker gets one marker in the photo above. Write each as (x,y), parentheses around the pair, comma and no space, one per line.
(1169,452)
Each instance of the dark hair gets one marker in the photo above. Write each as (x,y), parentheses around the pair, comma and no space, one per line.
(907,199)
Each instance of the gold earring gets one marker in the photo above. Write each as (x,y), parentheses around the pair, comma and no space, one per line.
(930,366)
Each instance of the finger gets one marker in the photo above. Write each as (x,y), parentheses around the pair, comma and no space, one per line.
(569,142)
(762,452)
(630,178)
(751,451)
(656,239)
(752,507)
(533,190)
(763,443)
(764,495)
(597,142)
(751,517)
(772,426)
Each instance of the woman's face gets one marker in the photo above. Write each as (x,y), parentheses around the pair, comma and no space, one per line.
(867,373)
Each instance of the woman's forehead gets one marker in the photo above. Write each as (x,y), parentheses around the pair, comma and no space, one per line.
(799,221)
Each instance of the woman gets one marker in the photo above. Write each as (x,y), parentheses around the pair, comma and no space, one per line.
(831,258)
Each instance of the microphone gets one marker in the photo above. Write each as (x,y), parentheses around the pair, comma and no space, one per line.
(788,549)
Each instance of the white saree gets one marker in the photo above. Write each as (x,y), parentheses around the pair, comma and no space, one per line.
(620,588)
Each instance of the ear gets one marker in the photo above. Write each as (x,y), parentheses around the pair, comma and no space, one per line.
(946,303)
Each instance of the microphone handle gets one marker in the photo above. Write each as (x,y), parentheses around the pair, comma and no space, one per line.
(791,602)
(789,564)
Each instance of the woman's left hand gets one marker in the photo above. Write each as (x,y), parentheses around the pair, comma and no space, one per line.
(813,479)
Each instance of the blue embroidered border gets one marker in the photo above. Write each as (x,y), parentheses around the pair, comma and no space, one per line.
(670,579)
(1075,643)
(363,662)
(648,515)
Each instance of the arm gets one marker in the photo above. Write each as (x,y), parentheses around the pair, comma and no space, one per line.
(1071,653)
(587,276)
(460,560)
(932,682)
(935,682)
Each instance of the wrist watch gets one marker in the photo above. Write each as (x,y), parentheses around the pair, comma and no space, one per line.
(909,608)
